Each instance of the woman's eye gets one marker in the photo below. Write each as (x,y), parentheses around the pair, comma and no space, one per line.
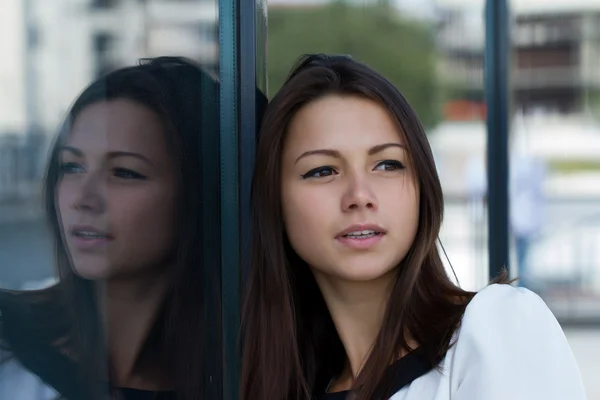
(70,168)
(319,172)
(124,173)
(389,165)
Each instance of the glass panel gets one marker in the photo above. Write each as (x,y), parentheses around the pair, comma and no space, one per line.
(122,152)
(555,166)
(459,139)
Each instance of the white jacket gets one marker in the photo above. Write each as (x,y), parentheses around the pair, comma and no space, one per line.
(17,383)
(509,347)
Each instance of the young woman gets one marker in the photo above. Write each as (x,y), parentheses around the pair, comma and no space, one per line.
(347,294)
(126,195)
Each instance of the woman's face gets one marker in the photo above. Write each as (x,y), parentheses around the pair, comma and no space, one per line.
(350,201)
(117,193)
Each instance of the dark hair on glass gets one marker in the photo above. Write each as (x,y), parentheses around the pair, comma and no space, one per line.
(291,348)
(48,329)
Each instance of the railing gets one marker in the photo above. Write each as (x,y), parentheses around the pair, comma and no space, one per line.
(21,164)
(564,259)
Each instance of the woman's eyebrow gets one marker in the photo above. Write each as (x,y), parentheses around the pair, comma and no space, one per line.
(112,154)
(334,153)
(380,147)
(115,154)
(326,152)
(71,149)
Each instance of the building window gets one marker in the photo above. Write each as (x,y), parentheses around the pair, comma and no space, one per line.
(104,3)
(103,47)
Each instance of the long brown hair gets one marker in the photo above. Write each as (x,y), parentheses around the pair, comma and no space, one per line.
(65,319)
(291,348)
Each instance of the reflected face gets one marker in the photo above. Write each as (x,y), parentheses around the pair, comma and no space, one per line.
(117,192)
(350,202)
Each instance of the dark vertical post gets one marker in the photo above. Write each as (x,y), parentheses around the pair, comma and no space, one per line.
(230,248)
(242,35)
(497,66)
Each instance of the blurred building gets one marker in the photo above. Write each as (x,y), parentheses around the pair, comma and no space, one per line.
(61,46)
(124,30)
(556,60)
(555,91)
(556,50)
(82,39)
(58,47)
(12,91)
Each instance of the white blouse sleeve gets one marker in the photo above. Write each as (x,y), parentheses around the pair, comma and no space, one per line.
(510,346)
(17,383)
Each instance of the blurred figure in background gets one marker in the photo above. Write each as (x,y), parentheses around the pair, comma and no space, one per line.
(526,204)
(477,187)
(125,204)
(476,181)
(526,208)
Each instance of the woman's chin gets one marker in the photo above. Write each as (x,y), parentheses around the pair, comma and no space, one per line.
(362,273)
(92,272)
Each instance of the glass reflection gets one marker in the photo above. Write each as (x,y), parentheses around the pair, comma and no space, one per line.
(123,202)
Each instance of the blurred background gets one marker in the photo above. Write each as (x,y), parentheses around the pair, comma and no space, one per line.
(431,49)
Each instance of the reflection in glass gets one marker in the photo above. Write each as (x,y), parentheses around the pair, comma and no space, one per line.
(55,50)
(123,201)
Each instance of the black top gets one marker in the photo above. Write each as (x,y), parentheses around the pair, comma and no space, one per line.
(53,368)
(137,394)
(398,375)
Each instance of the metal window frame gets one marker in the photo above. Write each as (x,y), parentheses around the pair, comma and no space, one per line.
(497,89)
(242,70)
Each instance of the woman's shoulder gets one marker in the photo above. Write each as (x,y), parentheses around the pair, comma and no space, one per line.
(502,317)
(18,383)
(30,324)
(503,301)
(510,333)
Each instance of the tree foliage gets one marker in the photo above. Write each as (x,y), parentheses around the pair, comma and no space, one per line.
(402,50)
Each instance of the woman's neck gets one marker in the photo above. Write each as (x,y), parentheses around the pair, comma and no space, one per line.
(357,310)
(131,311)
